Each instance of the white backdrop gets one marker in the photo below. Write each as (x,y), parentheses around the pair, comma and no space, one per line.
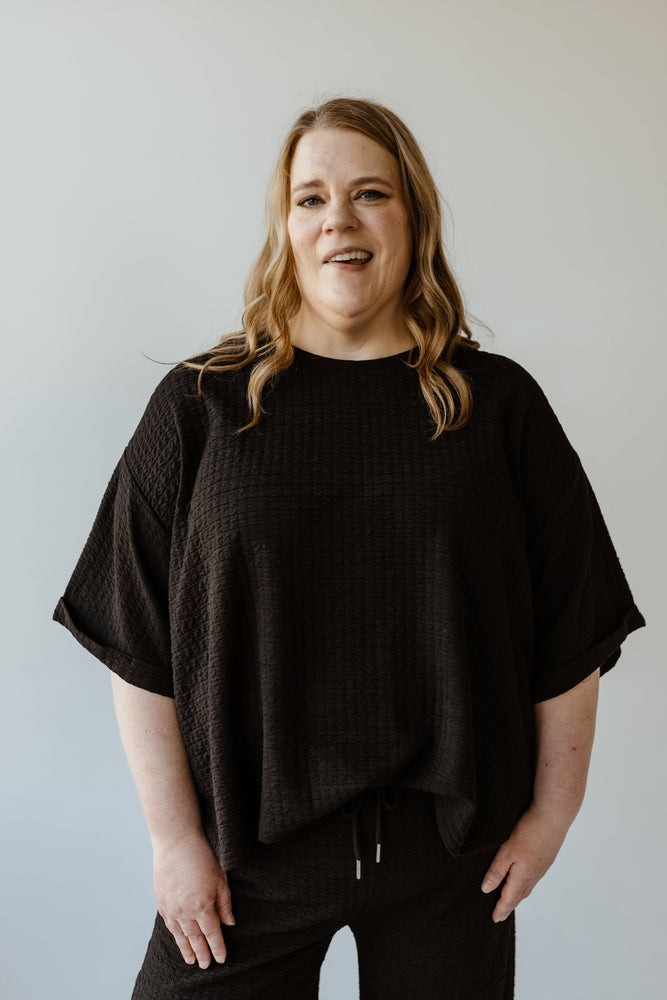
(137,139)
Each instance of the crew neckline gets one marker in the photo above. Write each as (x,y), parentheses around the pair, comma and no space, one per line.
(306,359)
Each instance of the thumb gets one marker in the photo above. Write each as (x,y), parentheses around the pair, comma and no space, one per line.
(224,904)
(497,871)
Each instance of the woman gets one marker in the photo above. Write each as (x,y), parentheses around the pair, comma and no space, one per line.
(355,641)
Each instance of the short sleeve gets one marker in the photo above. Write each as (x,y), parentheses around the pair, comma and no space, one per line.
(582,604)
(116,603)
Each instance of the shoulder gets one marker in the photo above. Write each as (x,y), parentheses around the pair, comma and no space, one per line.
(499,367)
(176,408)
(179,383)
(164,411)
(174,420)
(497,374)
(508,394)
(175,425)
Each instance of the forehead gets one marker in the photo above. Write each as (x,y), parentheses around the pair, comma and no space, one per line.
(338,152)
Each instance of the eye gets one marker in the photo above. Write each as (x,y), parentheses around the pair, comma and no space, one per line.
(316,197)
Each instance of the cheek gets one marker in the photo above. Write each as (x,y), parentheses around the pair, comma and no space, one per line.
(406,254)
(399,236)
(402,257)
(405,237)
(302,249)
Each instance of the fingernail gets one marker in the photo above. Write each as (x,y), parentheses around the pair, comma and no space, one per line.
(486,886)
(231,921)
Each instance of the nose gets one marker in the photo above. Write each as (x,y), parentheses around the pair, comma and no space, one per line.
(340,215)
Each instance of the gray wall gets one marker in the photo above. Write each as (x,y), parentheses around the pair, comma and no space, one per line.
(137,142)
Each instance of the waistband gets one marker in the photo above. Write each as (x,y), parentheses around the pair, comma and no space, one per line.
(387,797)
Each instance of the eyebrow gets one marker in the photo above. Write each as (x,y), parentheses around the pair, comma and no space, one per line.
(316,182)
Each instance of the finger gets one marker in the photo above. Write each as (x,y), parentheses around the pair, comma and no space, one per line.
(181,940)
(514,890)
(497,871)
(211,929)
(224,905)
(198,942)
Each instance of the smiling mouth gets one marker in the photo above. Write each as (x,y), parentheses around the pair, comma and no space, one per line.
(353,258)
(350,265)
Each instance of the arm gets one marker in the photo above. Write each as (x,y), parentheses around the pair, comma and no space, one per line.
(565,728)
(190,886)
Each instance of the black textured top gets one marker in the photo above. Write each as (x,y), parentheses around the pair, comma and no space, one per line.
(335,601)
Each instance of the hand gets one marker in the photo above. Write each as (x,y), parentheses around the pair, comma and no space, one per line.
(193,897)
(524,858)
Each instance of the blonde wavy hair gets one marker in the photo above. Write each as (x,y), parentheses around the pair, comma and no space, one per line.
(432,303)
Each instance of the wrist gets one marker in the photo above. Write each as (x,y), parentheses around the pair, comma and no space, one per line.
(175,837)
(558,815)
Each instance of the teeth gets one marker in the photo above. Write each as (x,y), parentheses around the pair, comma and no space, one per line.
(355,255)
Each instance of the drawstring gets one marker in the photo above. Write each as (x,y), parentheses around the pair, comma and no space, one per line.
(353,808)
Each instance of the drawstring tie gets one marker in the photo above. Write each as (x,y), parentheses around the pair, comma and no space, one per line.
(353,808)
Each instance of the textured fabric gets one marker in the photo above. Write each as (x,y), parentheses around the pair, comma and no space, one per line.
(421,923)
(336,601)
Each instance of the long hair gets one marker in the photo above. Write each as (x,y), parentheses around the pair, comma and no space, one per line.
(432,303)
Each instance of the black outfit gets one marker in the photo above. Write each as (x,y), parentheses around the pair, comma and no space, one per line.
(421,923)
(337,602)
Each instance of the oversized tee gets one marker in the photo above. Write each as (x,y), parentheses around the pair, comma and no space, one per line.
(336,601)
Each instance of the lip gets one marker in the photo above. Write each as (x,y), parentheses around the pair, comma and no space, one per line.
(334,253)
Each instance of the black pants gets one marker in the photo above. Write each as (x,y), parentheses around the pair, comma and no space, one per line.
(422,925)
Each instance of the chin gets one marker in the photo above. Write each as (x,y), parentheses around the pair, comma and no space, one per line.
(347,310)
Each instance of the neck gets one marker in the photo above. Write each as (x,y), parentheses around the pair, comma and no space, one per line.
(334,342)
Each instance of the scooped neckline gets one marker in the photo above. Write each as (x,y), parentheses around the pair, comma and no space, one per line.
(307,359)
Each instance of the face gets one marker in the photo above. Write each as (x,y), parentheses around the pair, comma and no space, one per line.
(345,192)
